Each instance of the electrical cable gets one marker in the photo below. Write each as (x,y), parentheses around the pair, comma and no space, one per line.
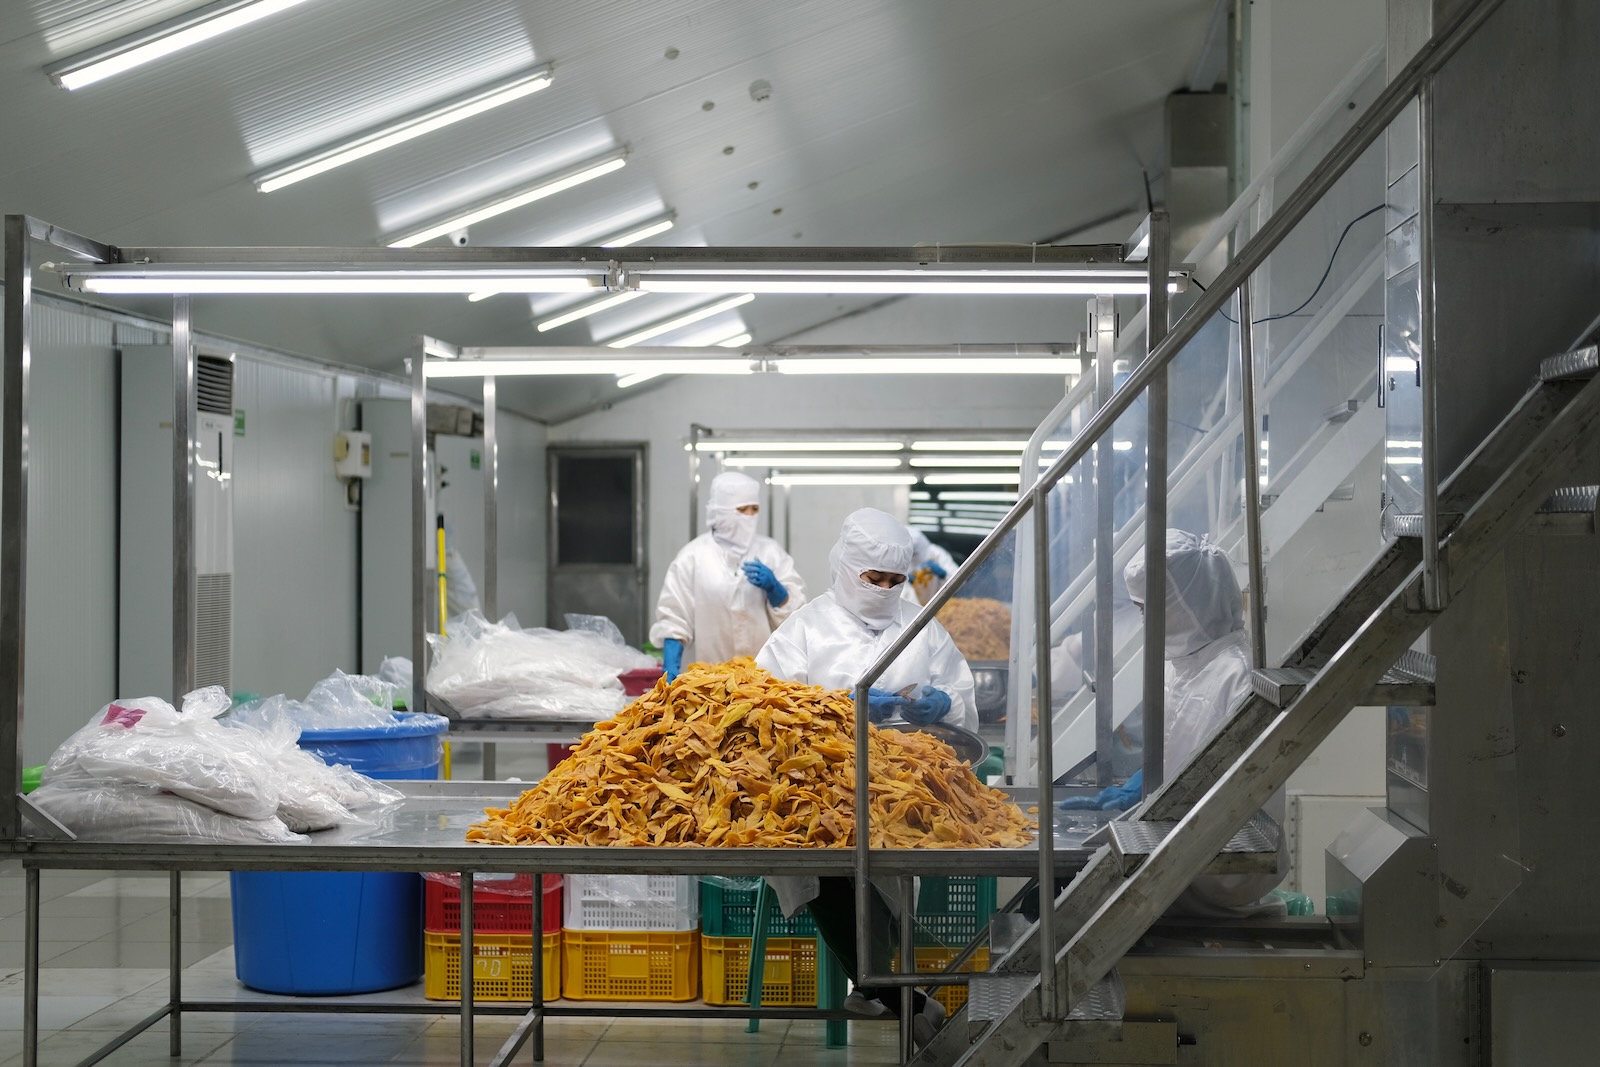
(1328,270)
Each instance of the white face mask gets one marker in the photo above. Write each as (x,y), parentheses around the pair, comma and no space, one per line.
(874,606)
(735,531)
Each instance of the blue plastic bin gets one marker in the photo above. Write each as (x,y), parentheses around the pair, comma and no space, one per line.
(322,934)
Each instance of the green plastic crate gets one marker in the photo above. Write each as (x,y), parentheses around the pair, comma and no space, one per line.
(726,911)
(951,911)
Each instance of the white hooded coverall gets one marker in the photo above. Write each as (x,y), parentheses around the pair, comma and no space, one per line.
(834,639)
(1208,677)
(923,552)
(706,601)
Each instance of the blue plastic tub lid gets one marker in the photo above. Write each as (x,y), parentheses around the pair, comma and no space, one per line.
(405,724)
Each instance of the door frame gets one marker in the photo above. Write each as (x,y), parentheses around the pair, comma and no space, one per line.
(639,452)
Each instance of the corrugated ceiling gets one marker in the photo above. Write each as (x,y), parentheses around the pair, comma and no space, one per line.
(890,122)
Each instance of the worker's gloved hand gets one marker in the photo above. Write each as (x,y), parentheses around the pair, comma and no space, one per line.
(926,705)
(1111,798)
(933,568)
(672,657)
(760,575)
(882,704)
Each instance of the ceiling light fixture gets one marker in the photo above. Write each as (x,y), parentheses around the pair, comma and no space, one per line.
(737,341)
(582,311)
(139,281)
(162,40)
(797,446)
(844,479)
(965,461)
(1001,498)
(500,204)
(668,325)
(872,365)
(659,224)
(785,462)
(975,478)
(480,368)
(403,130)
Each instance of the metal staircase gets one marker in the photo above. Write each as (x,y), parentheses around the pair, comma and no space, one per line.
(1193,824)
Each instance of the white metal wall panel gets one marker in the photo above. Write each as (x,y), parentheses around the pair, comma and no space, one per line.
(524,518)
(294,539)
(72,543)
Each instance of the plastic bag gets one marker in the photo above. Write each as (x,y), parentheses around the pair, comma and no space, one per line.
(128,812)
(313,795)
(397,671)
(338,702)
(144,742)
(496,670)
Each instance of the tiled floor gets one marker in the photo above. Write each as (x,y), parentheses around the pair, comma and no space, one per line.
(103,949)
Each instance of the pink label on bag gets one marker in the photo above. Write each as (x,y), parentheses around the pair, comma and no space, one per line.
(117,715)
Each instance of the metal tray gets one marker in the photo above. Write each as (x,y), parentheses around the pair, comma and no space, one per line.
(970,748)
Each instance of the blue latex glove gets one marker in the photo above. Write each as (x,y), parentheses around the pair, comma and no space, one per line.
(882,704)
(672,657)
(760,575)
(927,705)
(1111,798)
(934,568)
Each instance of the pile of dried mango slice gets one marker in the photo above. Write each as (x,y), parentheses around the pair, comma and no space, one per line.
(727,755)
(980,627)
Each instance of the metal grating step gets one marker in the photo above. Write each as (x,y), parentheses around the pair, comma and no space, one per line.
(1409,683)
(1252,850)
(1571,511)
(1579,364)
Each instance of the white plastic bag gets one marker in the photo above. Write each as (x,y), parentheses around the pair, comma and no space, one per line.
(313,795)
(125,812)
(144,742)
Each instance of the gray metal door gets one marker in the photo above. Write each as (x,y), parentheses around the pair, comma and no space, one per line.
(597,534)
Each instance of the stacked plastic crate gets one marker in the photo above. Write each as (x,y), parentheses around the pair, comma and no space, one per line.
(502,937)
(727,915)
(950,912)
(631,937)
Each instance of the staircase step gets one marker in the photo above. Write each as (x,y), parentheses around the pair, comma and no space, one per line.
(1579,364)
(1568,511)
(1409,683)
(1253,850)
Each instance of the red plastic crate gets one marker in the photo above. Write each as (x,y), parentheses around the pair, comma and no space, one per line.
(638,683)
(554,754)
(501,904)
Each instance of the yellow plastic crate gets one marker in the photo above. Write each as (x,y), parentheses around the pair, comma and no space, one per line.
(935,959)
(502,966)
(630,965)
(788,979)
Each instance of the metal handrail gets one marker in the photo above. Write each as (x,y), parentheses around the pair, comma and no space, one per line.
(1373,122)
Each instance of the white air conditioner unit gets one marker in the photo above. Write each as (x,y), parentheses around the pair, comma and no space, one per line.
(144,649)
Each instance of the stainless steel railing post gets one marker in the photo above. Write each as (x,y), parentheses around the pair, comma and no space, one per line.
(1046,760)
(1155,522)
(1433,592)
(1252,480)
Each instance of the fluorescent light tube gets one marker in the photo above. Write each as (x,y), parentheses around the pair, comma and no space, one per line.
(798,446)
(186,31)
(260,282)
(907,285)
(965,461)
(546,186)
(1004,498)
(680,321)
(628,381)
(406,129)
(660,224)
(736,341)
(878,365)
(1122,446)
(844,479)
(975,478)
(582,311)
(921,494)
(481,368)
(785,462)
(968,446)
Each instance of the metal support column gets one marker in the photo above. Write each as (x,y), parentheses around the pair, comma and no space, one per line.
(538,966)
(1155,522)
(696,431)
(468,967)
(14,519)
(30,959)
(1105,328)
(1433,582)
(1252,481)
(1047,745)
(908,962)
(175,964)
(183,419)
(489,595)
(421,528)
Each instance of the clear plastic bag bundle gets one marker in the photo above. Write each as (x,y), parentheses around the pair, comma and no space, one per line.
(498,670)
(122,811)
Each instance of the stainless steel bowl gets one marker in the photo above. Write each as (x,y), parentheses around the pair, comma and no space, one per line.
(989,679)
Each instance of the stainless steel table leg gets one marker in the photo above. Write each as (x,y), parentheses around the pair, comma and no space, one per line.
(908,962)
(175,977)
(489,768)
(468,955)
(30,964)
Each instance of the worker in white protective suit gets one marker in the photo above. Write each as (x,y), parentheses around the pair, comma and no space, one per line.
(1208,678)
(729,588)
(931,566)
(832,642)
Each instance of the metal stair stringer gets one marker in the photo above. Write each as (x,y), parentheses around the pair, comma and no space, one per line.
(1122,907)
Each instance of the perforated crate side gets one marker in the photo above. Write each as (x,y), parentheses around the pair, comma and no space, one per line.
(729,912)
(502,966)
(630,965)
(646,903)
(788,979)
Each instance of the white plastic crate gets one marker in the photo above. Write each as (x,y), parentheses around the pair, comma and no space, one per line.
(655,902)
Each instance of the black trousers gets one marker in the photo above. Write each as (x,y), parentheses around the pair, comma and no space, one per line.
(834,912)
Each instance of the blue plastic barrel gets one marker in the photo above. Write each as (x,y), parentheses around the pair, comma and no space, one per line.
(328,933)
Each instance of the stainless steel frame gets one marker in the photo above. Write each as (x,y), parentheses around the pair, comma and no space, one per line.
(1155,528)
(1252,480)
(183,418)
(1103,321)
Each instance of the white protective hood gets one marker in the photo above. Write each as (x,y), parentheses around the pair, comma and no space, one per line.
(869,540)
(731,491)
(1204,602)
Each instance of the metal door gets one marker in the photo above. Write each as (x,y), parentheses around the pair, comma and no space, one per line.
(597,534)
